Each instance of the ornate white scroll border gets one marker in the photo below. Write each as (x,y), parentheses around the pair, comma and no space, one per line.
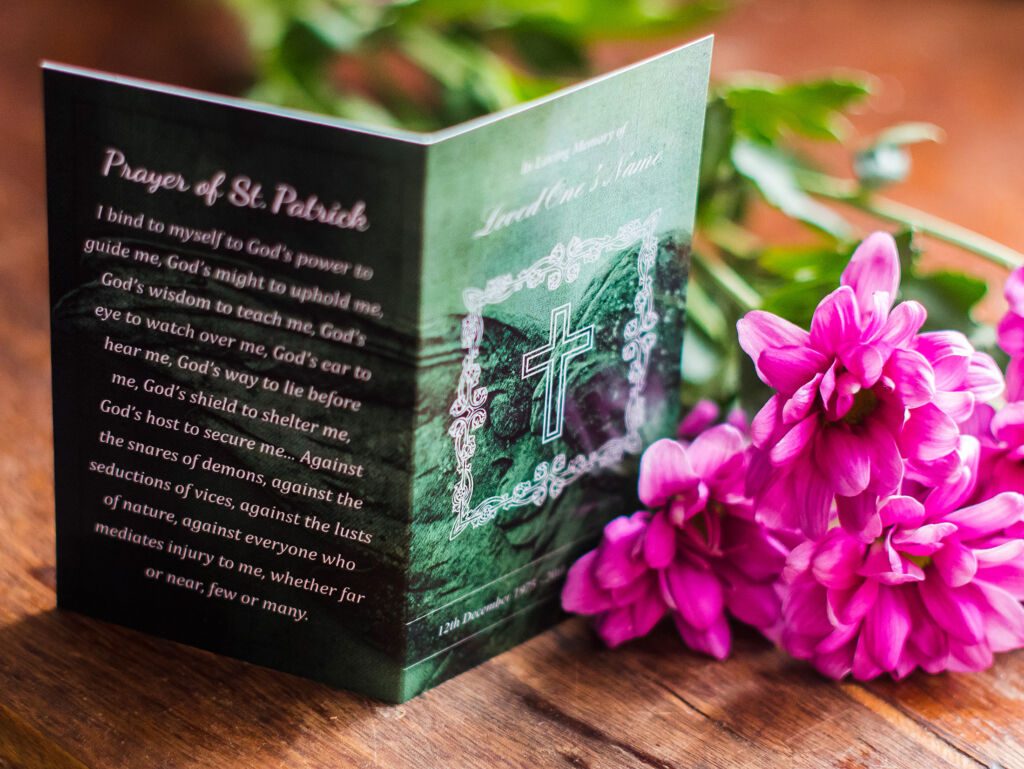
(469,412)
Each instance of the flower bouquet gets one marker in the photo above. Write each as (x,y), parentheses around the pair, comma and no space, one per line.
(870,519)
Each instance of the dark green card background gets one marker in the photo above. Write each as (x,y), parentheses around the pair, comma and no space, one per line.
(352,646)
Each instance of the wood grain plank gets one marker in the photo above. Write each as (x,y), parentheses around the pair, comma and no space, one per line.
(77,693)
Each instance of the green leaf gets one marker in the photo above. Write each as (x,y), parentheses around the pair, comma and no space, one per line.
(549,46)
(949,297)
(304,54)
(773,174)
(796,302)
(475,81)
(714,158)
(805,263)
(769,109)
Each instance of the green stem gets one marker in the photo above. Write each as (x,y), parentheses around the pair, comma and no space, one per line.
(843,191)
(729,280)
(947,231)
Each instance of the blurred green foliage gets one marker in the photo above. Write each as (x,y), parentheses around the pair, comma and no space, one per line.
(425,64)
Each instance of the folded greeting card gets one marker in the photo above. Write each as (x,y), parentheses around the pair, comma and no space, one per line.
(344,401)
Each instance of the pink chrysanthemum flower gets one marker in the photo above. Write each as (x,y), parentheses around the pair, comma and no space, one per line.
(854,400)
(704,414)
(964,379)
(701,554)
(617,583)
(1002,448)
(940,588)
(1011,334)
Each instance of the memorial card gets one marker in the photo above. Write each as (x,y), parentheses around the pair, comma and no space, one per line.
(347,401)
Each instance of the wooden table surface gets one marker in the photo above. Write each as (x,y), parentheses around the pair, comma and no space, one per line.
(75,692)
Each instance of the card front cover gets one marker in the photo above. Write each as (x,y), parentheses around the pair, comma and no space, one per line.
(554,272)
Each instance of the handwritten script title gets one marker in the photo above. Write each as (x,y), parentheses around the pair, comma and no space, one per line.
(240,191)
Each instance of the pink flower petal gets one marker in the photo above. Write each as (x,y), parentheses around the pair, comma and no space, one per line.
(789,368)
(805,609)
(957,487)
(836,322)
(838,638)
(800,403)
(1013,290)
(714,450)
(713,640)
(874,266)
(955,563)
(660,541)
(757,605)
(952,611)
(989,516)
(648,610)
(1005,551)
(665,471)
(684,506)
(924,540)
(885,565)
(765,422)
(580,594)
(695,594)
(759,331)
(914,378)
(906,664)
(841,457)
(902,511)
(859,516)
(738,419)
(886,462)
(1011,333)
(1009,576)
(951,370)
(958,404)
(828,388)
(865,362)
(850,605)
(886,628)
(935,345)
(1004,618)
(864,667)
(927,638)
(617,563)
(984,378)
(928,434)
(968,658)
(754,553)
(1015,379)
(837,664)
(699,419)
(794,441)
(815,505)
(1008,424)
(837,560)
(903,323)
(617,626)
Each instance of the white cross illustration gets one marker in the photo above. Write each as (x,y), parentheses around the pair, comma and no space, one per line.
(552,360)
